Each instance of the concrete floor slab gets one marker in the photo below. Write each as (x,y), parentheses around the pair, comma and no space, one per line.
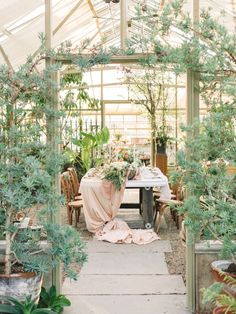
(122,263)
(131,217)
(158,304)
(125,285)
(159,246)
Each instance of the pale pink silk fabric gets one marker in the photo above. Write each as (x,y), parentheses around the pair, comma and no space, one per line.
(101,202)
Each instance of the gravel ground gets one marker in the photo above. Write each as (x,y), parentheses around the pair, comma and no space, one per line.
(176,259)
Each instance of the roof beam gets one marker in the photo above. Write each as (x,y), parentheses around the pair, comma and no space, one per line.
(234,12)
(5,57)
(72,11)
(122,59)
(96,16)
(116,84)
(6,31)
(123,23)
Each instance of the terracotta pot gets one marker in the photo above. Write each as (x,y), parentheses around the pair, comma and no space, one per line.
(21,285)
(218,266)
(221,310)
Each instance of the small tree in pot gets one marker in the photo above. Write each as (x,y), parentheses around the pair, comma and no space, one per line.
(28,167)
(147,90)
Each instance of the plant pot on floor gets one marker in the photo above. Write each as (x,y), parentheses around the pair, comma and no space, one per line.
(221,268)
(21,285)
(161,158)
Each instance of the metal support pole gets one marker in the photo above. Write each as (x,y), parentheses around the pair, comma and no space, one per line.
(53,133)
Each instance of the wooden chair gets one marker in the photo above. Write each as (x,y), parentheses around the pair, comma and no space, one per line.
(75,183)
(176,200)
(72,205)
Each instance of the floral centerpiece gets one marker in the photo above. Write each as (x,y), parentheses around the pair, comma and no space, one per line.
(116,172)
(133,159)
(120,171)
(126,155)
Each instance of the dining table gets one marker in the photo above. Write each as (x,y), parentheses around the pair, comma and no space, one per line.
(102,201)
(145,203)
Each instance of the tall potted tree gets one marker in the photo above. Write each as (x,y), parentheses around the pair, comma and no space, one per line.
(28,167)
(147,90)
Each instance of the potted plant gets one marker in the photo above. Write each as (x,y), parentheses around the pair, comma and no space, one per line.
(14,306)
(162,138)
(28,167)
(223,268)
(222,295)
(50,303)
(90,145)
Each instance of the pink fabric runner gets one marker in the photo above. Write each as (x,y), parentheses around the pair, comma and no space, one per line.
(101,203)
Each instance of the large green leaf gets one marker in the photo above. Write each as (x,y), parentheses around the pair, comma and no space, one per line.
(6,308)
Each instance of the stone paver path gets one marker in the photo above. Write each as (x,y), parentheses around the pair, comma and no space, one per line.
(126,279)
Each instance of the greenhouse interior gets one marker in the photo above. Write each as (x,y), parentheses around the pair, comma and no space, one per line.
(118,156)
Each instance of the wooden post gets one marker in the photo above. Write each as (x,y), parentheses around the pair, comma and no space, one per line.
(123,23)
(176,115)
(53,129)
(103,122)
(192,115)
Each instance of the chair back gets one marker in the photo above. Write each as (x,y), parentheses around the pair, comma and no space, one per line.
(66,186)
(74,180)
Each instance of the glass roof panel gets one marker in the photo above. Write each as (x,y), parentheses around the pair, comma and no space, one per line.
(76,20)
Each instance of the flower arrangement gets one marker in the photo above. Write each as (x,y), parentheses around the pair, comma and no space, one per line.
(130,156)
(116,172)
(126,155)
